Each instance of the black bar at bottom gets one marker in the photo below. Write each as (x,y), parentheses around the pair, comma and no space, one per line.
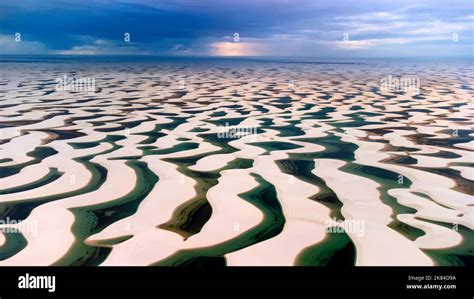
(244,282)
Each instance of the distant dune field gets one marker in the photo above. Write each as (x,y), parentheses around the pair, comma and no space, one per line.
(236,163)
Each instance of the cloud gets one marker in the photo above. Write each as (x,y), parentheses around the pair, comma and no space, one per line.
(74,52)
(102,47)
(235,49)
(267,27)
(8,45)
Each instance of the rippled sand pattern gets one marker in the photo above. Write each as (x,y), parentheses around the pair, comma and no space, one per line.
(137,173)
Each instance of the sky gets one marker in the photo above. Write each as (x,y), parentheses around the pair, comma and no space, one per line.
(302,28)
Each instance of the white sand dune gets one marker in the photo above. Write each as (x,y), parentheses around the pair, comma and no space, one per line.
(162,115)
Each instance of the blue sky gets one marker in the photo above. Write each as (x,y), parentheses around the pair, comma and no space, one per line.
(311,28)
